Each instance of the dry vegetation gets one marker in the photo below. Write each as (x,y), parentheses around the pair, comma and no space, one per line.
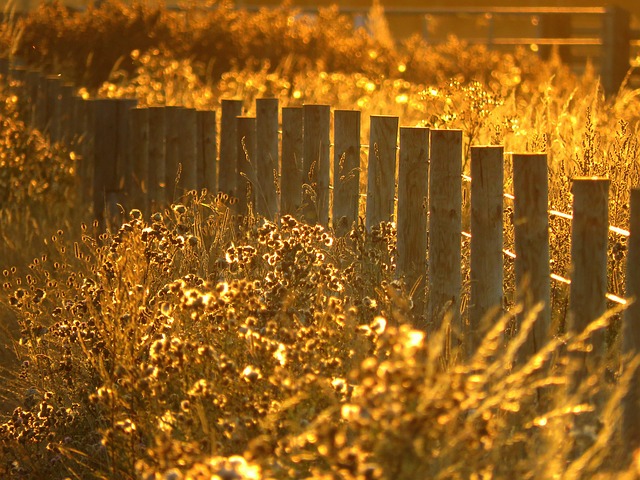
(194,344)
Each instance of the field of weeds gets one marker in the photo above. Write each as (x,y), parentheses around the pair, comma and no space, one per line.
(191,344)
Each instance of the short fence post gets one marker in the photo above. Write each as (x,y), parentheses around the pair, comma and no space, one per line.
(172,152)
(52,124)
(292,148)
(246,180)
(32,82)
(589,234)
(616,48)
(124,162)
(487,261)
(413,194)
(139,184)
(157,158)
(65,132)
(187,150)
(230,111)
(531,225)
(346,169)
(631,329)
(316,164)
(381,175)
(445,227)
(267,157)
(207,151)
(105,133)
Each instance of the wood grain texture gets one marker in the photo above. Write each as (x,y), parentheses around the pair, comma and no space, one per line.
(316,164)
(292,148)
(346,169)
(267,159)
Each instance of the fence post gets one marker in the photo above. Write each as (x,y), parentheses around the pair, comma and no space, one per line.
(65,133)
(589,233)
(124,162)
(316,164)
(172,152)
(616,48)
(267,157)
(487,174)
(445,227)
(413,194)
(230,111)
(631,329)
(346,170)
(104,132)
(381,181)
(246,180)
(157,179)
(292,148)
(531,225)
(207,151)
(53,109)
(32,82)
(139,184)
(187,149)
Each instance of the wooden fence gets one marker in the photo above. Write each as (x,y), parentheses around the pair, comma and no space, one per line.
(286,163)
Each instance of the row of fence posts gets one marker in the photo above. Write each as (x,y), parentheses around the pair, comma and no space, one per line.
(136,156)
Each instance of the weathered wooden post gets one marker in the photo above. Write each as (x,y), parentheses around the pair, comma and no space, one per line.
(587,299)
(381,175)
(157,182)
(187,150)
(124,163)
(65,125)
(487,183)
(316,164)
(32,82)
(54,108)
(172,152)
(207,151)
(230,111)
(445,227)
(267,164)
(346,169)
(531,225)
(105,134)
(292,148)
(138,184)
(246,180)
(616,48)
(631,329)
(413,194)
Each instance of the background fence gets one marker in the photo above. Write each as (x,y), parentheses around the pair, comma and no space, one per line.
(287,162)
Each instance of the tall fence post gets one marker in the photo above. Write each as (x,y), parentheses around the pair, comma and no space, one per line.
(172,152)
(316,164)
(587,299)
(381,175)
(413,194)
(207,151)
(445,226)
(139,183)
(531,225)
(267,157)
(157,179)
(230,110)
(616,48)
(487,261)
(246,180)
(346,169)
(631,329)
(292,148)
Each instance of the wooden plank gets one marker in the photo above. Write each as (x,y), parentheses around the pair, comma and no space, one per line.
(346,170)
(487,260)
(292,148)
(531,225)
(413,194)
(381,181)
(267,159)
(445,226)
(316,164)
